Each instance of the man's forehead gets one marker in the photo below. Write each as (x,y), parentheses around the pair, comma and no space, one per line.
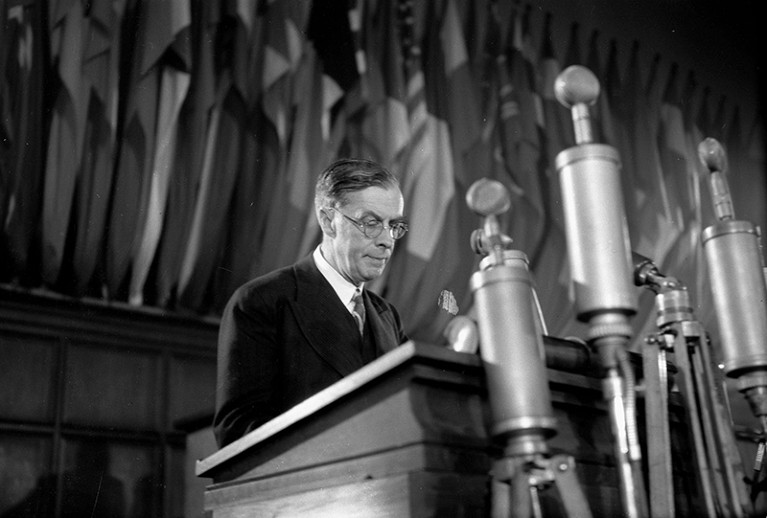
(376,198)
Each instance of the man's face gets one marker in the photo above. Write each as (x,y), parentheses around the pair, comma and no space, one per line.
(356,257)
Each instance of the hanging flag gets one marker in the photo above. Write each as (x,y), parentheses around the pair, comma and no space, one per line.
(599,121)
(654,228)
(520,139)
(488,66)
(385,126)
(428,180)
(337,35)
(486,71)
(719,127)
(174,86)
(131,185)
(217,183)
(167,27)
(263,153)
(472,159)
(243,31)
(126,215)
(100,71)
(260,152)
(558,122)
(462,103)
(672,144)
(22,78)
(746,174)
(195,124)
(294,225)
(546,247)
(65,144)
(573,55)
(285,47)
(284,27)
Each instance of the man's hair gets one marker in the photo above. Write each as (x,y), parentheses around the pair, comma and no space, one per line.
(349,175)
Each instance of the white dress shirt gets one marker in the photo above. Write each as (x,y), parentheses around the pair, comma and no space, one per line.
(343,288)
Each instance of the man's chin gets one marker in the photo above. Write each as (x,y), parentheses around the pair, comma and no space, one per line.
(374,272)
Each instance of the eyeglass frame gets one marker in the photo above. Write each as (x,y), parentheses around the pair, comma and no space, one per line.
(364,228)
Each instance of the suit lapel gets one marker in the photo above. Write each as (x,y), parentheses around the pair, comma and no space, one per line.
(383,333)
(324,321)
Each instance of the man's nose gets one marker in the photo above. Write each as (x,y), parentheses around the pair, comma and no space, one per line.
(385,239)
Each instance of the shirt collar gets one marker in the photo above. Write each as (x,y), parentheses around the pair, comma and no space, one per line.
(343,288)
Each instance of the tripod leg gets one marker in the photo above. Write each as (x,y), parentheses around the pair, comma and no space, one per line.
(724,448)
(501,495)
(687,388)
(570,490)
(521,498)
(658,430)
(511,489)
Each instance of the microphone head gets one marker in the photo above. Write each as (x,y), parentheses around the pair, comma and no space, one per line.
(576,85)
(488,197)
(712,155)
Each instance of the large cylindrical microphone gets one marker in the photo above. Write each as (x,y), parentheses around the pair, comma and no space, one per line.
(511,347)
(595,220)
(736,273)
(599,252)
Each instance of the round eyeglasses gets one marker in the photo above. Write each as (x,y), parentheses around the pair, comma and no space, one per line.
(372,228)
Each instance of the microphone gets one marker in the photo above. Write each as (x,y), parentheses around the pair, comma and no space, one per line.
(592,199)
(512,348)
(600,269)
(736,273)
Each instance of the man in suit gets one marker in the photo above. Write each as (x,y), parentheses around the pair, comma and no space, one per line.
(292,332)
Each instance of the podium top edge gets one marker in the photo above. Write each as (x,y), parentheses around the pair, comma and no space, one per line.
(408,352)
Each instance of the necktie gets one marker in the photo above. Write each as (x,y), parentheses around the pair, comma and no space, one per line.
(359,311)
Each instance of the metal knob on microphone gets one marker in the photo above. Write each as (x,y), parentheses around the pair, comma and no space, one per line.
(736,272)
(513,354)
(600,264)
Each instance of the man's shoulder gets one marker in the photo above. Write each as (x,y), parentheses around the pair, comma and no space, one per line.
(281,281)
(276,280)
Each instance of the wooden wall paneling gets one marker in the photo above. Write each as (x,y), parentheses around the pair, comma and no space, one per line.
(25,461)
(113,388)
(28,371)
(192,387)
(96,381)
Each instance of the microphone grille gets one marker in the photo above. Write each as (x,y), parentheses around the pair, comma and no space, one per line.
(488,197)
(576,85)
(712,155)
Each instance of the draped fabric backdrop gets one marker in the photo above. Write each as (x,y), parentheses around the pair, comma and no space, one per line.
(162,152)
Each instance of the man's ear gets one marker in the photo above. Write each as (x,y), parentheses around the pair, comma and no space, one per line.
(325,219)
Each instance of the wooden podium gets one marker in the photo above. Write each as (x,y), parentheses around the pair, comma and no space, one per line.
(403,436)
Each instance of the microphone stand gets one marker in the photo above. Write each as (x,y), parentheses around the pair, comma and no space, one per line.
(716,453)
(600,265)
(512,352)
(739,287)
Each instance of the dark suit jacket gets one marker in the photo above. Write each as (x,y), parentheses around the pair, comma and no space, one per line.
(284,337)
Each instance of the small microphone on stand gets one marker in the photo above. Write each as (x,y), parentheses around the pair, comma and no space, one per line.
(513,355)
(737,275)
(505,315)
